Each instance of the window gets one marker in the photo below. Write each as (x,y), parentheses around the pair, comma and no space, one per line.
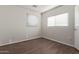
(32,20)
(58,20)
(51,21)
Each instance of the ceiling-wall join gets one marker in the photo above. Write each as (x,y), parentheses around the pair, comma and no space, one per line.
(38,8)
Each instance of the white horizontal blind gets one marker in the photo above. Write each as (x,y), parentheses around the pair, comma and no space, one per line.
(58,20)
(51,21)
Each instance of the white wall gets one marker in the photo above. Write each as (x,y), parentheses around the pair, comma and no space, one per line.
(13,26)
(61,34)
(77,27)
(34,31)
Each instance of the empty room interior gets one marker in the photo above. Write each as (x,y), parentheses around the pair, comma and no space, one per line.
(39,29)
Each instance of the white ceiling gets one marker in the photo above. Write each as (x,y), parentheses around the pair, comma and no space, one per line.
(39,8)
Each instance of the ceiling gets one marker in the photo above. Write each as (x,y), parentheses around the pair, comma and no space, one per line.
(39,8)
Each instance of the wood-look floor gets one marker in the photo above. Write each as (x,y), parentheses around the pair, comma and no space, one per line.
(38,46)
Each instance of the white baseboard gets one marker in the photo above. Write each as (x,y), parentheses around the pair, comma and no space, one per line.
(35,38)
(58,41)
(77,48)
(12,42)
(31,38)
(20,41)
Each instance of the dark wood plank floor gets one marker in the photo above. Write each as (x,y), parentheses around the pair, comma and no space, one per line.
(38,46)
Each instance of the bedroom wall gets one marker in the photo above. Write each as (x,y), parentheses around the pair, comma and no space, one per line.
(62,34)
(13,25)
(34,31)
(77,26)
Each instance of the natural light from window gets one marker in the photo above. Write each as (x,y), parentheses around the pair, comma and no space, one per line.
(32,20)
(58,20)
